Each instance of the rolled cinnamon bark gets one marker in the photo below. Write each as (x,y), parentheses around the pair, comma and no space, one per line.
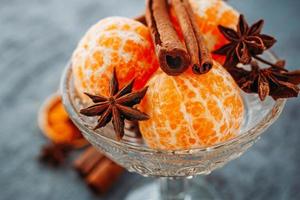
(201,60)
(87,161)
(171,52)
(141,19)
(104,175)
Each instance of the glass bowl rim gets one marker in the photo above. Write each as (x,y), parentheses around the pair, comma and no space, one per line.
(269,119)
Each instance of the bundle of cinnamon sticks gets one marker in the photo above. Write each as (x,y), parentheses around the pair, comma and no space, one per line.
(174,55)
(98,171)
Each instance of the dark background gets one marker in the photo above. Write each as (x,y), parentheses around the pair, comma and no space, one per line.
(37,38)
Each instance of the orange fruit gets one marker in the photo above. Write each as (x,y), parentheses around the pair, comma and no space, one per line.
(190,111)
(114,42)
(210,14)
(56,124)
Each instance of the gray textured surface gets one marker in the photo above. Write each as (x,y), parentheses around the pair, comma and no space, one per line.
(36,40)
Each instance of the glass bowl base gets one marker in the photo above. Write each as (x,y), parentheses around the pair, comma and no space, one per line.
(174,189)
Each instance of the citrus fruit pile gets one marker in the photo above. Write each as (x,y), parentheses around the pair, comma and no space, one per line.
(186,111)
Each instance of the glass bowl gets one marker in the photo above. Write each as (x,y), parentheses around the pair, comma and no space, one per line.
(135,156)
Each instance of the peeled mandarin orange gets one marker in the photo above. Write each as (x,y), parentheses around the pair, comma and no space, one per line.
(210,14)
(114,42)
(190,111)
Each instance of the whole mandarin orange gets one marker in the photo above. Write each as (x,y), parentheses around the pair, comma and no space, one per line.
(190,111)
(114,42)
(209,14)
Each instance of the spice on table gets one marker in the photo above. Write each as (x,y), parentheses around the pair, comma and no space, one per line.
(87,161)
(98,171)
(54,154)
(104,175)
(171,52)
(201,60)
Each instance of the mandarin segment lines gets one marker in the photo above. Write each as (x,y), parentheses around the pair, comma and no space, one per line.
(201,110)
(209,14)
(114,42)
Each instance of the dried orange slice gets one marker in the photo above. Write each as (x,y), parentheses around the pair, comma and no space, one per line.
(114,42)
(190,111)
(56,125)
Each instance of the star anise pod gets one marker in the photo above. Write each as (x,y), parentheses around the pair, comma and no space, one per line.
(117,107)
(54,154)
(244,43)
(274,81)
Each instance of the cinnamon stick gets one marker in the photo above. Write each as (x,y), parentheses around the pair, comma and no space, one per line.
(171,52)
(200,56)
(104,175)
(87,161)
(141,19)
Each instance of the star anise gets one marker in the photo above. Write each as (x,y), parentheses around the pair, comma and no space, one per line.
(244,43)
(117,107)
(274,81)
(54,154)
